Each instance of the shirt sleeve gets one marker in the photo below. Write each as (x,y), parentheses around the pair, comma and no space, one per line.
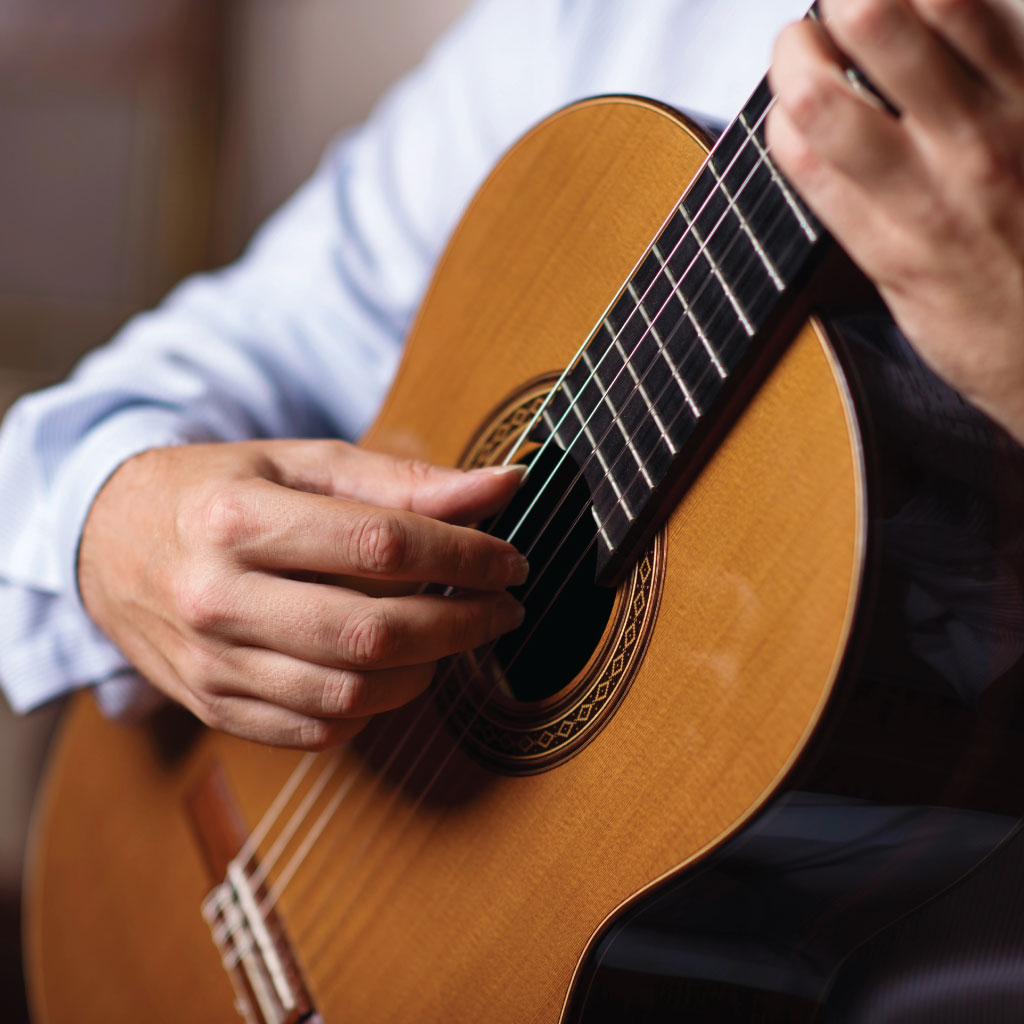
(299,338)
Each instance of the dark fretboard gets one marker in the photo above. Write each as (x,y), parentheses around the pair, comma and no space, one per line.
(665,358)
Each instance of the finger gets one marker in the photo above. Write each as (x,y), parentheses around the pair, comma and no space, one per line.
(342,628)
(988,35)
(906,61)
(439,492)
(833,124)
(268,526)
(848,211)
(318,691)
(256,720)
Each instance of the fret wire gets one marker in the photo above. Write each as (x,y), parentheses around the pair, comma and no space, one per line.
(585,425)
(681,321)
(526,512)
(663,352)
(791,200)
(677,285)
(738,140)
(701,250)
(627,361)
(617,419)
(615,334)
(578,561)
(773,273)
(688,312)
(747,305)
(716,270)
(654,359)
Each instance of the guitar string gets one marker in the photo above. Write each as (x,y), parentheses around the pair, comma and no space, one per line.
(688,306)
(746,141)
(271,814)
(425,792)
(222,932)
(296,820)
(299,815)
(248,850)
(395,837)
(702,249)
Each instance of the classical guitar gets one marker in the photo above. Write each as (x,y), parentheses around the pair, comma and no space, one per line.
(704,515)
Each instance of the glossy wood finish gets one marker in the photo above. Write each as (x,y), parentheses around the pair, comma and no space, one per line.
(477,903)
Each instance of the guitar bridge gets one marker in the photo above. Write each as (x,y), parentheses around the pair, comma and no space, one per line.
(253,946)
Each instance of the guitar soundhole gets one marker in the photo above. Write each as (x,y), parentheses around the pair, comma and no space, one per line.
(546,690)
(566,613)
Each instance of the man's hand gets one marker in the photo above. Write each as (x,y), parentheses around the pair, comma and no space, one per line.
(929,203)
(201,564)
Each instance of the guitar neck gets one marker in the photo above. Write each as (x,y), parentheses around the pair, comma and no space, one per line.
(665,364)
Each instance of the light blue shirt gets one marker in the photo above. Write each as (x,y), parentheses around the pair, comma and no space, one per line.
(300,338)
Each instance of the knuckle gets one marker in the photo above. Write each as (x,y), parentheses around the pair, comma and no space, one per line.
(380,543)
(315,735)
(204,669)
(475,623)
(462,558)
(227,518)
(204,677)
(784,38)
(202,603)
(788,49)
(419,470)
(367,637)
(344,695)
(211,710)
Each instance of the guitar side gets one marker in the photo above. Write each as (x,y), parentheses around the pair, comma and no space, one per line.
(479,903)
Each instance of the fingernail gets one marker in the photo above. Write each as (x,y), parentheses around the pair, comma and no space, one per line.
(516,468)
(512,614)
(519,570)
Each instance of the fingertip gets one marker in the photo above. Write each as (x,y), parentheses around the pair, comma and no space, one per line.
(499,480)
(475,494)
(511,614)
(515,470)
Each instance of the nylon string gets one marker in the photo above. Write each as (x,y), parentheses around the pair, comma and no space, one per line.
(248,850)
(535,579)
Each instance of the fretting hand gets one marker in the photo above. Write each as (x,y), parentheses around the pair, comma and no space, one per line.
(199,563)
(929,203)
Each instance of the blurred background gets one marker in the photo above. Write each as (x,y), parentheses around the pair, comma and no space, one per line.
(143,140)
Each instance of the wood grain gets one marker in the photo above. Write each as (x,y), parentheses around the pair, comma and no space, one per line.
(478,903)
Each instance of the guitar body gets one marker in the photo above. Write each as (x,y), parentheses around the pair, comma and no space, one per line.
(480,896)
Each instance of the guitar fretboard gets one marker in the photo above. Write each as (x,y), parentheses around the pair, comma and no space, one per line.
(682,328)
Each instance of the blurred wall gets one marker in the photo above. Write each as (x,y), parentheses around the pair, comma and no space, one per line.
(142,140)
(106,119)
(298,71)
